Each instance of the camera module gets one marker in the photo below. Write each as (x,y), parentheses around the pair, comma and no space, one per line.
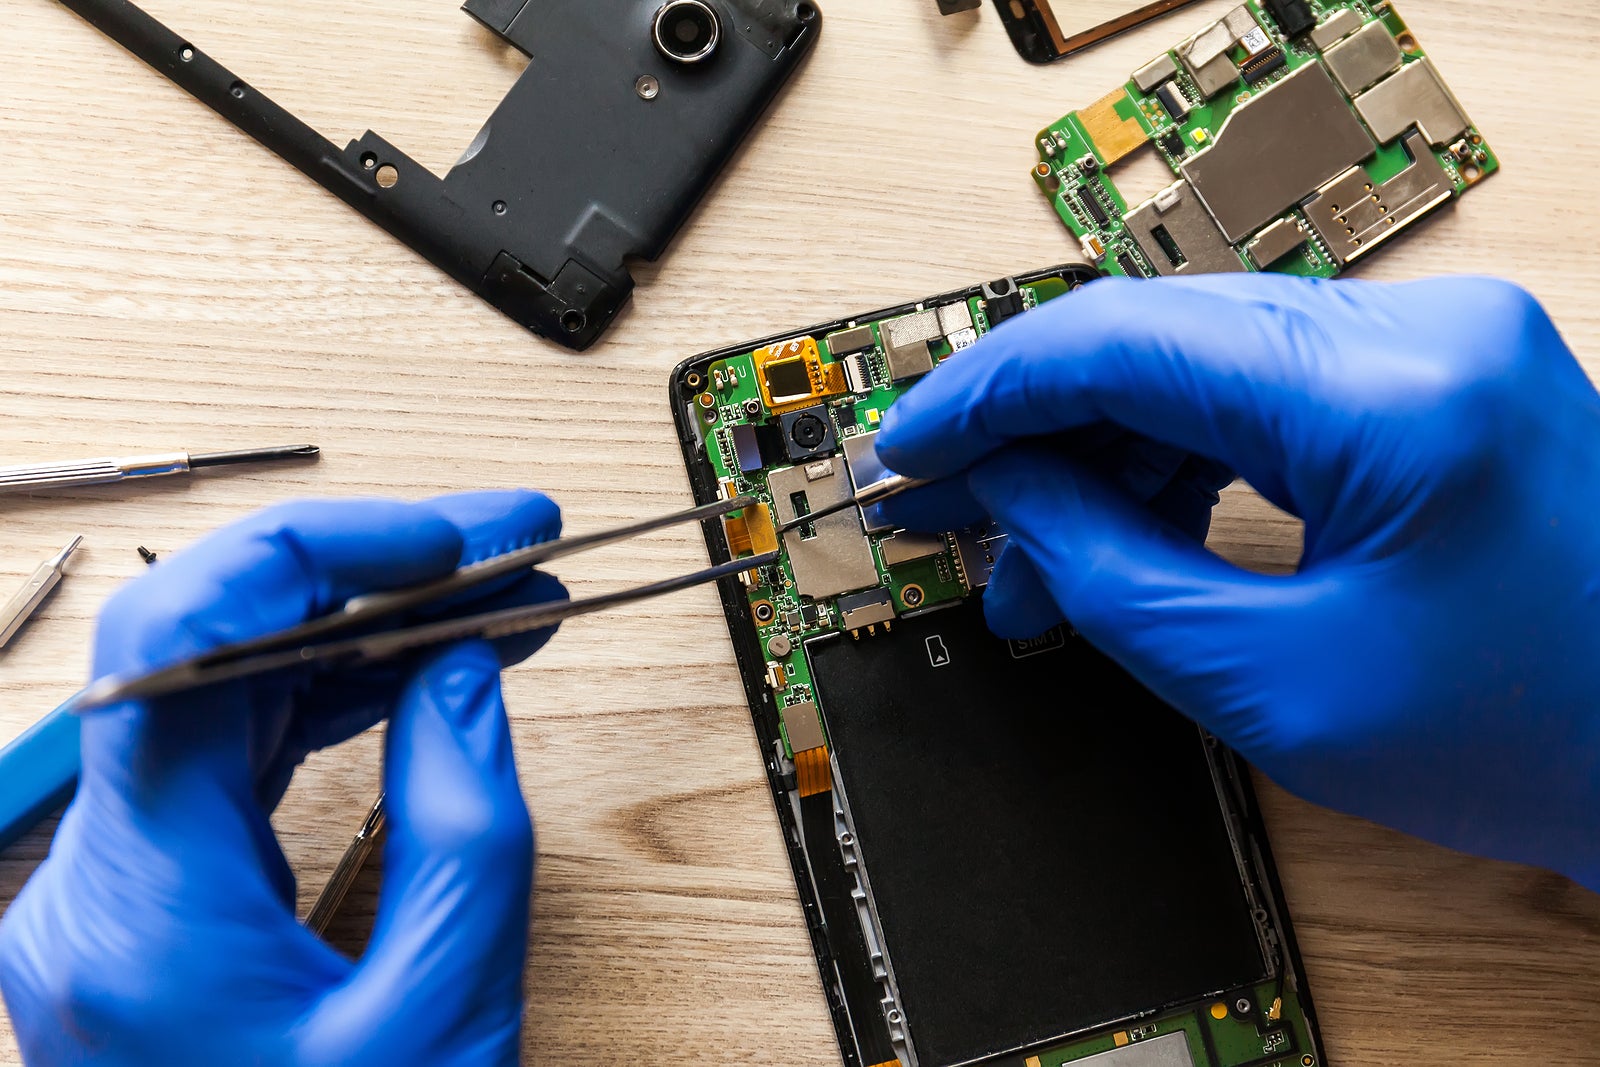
(687,31)
(808,432)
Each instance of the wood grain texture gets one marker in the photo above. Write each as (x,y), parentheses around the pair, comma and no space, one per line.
(166,283)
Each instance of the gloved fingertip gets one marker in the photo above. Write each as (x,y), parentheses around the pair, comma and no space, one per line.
(1017,604)
(496,521)
(537,588)
(461,683)
(945,505)
(1007,480)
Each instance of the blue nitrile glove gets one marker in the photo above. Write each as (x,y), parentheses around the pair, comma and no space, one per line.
(161,928)
(1435,662)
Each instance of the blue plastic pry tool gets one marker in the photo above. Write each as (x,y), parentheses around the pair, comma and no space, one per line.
(38,773)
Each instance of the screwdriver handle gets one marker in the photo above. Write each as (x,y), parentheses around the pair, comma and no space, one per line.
(90,472)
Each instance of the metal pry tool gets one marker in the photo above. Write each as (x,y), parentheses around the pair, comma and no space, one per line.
(106,471)
(876,493)
(350,865)
(381,626)
(33,592)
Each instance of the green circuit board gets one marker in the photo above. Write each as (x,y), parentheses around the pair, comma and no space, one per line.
(857,575)
(1263,1026)
(1302,134)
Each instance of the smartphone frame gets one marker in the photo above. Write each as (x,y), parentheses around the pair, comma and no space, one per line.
(1235,790)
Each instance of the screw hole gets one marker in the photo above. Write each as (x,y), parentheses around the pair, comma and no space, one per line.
(499,207)
(387,176)
(807,12)
(1407,43)
(1472,174)
(368,160)
(236,90)
(186,53)
(647,87)
(573,321)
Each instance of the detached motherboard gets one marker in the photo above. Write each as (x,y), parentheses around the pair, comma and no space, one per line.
(1008,852)
(1304,134)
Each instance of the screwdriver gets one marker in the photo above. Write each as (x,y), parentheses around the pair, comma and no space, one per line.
(34,591)
(105,471)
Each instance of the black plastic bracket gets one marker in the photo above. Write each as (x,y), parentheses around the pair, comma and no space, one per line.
(597,154)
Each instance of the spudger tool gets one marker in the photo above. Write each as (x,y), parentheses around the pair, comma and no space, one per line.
(26,601)
(876,493)
(106,471)
(381,626)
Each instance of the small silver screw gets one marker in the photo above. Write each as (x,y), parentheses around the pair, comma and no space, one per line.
(647,87)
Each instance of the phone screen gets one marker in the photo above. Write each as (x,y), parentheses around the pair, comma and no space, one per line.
(1045,30)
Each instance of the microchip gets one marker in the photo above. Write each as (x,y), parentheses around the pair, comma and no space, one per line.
(906,340)
(772,442)
(1174,101)
(1158,70)
(907,546)
(1265,65)
(746,447)
(855,339)
(801,723)
(1294,17)
(788,380)
(1129,265)
(792,375)
(1172,141)
(1092,208)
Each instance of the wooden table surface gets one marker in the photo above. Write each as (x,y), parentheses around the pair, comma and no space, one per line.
(166,283)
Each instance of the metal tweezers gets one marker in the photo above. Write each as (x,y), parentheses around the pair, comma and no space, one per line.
(378,627)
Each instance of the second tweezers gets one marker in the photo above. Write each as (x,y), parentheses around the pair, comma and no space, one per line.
(355,636)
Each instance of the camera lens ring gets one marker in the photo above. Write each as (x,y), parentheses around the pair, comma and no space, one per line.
(686,31)
(808,431)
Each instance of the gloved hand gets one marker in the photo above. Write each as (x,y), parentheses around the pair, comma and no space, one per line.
(1435,662)
(161,928)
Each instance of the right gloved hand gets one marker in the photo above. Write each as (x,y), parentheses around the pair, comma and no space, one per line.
(1435,662)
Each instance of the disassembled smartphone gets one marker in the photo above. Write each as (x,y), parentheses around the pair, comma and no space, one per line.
(1302,136)
(646,101)
(1008,852)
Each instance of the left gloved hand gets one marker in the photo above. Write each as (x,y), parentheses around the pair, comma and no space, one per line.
(161,929)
